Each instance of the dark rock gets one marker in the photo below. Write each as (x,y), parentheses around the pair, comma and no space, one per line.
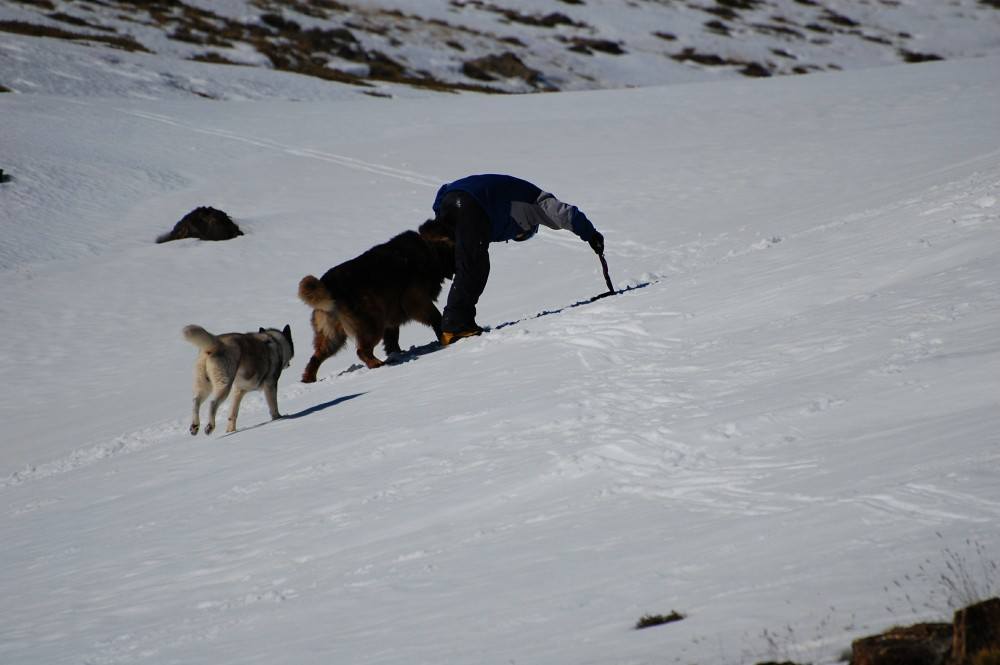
(977,628)
(921,644)
(755,69)
(204,223)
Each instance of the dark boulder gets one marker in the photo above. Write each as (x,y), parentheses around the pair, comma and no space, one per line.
(204,223)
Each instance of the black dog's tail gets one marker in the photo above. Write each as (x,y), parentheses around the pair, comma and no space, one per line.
(314,293)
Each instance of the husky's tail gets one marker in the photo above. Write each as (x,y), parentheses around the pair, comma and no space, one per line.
(315,294)
(201,338)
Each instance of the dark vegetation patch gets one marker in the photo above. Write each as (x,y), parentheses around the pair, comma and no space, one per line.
(78,22)
(36,30)
(550,20)
(41,4)
(5,89)
(746,67)
(502,66)
(666,36)
(718,27)
(777,30)
(730,9)
(839,19)
(913,56)
(995,4)
(587,46)
(739,4)
(650,620)
(214,58)
(689,54)
(313,8)
(875,39)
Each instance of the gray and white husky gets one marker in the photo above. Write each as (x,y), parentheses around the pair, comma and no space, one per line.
(241,362)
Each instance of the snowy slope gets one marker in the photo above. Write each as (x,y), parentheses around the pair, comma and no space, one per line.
(795,408)
(173,49)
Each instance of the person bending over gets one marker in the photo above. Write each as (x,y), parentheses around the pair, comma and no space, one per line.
(495,208)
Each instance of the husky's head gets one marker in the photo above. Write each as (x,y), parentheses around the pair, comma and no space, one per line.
(283,338)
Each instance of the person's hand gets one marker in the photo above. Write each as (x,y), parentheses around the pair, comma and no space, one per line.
(597,243)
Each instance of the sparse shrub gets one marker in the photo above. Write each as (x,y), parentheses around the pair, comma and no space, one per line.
(964,577)
(650,620)
(969,577)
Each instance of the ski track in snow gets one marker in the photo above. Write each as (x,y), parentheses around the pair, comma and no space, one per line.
(309,153)
(83,457)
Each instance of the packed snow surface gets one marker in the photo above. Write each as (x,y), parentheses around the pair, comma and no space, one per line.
(782,430)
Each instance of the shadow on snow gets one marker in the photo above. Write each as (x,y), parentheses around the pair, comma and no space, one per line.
(416,352)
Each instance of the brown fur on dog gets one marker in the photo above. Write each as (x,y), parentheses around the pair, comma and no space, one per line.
(370,296)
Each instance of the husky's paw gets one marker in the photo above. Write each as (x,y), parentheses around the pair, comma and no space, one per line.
(209,428)
(194,429)
(230,429)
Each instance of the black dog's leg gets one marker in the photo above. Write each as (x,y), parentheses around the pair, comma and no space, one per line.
(390,340)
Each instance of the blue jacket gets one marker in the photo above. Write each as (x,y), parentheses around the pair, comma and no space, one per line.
(516,207)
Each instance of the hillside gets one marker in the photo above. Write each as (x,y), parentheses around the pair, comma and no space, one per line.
(178,49)
(786,429)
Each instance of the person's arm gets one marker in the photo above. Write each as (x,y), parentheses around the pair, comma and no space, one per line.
(559,215)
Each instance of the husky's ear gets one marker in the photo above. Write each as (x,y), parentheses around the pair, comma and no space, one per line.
(261,330)
(287,330)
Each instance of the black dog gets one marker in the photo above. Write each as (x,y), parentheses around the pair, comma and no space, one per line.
(369,297)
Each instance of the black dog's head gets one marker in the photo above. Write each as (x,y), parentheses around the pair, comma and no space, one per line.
(438,230)
(440,236)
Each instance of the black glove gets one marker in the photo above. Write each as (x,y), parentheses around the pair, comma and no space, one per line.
(597,243)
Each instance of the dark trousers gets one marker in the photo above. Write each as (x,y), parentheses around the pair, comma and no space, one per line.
(472,259)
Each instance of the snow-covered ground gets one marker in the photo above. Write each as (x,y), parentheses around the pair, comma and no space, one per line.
(795,408)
